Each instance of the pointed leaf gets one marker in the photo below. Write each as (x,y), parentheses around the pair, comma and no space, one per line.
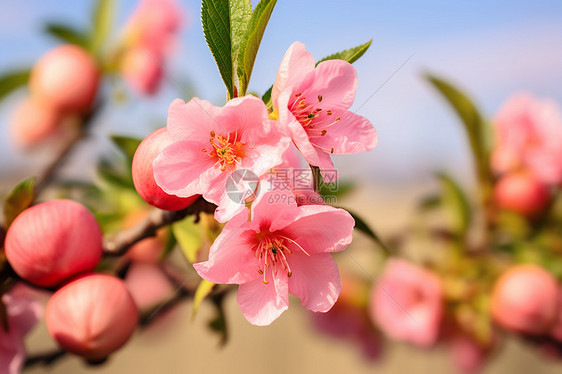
(362,226)
(102,24)
(474,125)
(251,43)
(126,144)
(240,14)
(12,80)
(188,235)
(267,97)
(19,199)
(350,55)
(215,17)
(203,290)
(67,34)
(455,200)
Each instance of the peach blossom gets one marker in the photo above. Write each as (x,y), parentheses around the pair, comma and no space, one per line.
(66,78)
(142,68)
(313,107)
(23,312)
(529,137)
(407,303)
(522,193)
(283,249)
(525,299)
(53,241)
(143,173)
(92,316)
(33,122)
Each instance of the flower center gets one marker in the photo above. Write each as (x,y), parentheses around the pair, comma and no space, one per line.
(272,252)
(227,153)
(314,119)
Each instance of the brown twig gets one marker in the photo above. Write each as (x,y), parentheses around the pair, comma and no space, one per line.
(119,244)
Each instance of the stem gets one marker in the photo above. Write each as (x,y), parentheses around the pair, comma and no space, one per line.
(158,218)
(44,359)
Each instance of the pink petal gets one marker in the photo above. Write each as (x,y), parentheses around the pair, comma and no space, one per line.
(183,170)
(295,66)
(321,228)
(335,81)
(315,280)
(231,259)
(249,115)
(352,134)
(277,207)
(192,121)
(12,354)
(262,303)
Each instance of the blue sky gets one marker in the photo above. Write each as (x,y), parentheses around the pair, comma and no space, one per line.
(492,49)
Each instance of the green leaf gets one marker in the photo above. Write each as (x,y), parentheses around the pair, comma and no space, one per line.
(362,226)
(12,80)
(102,24)
(215,17)
(350,55)
(430,203)
(240,14)
(188,235)
(218,324)
(67,34)
(455,200)
(251,42)
(267,97)
(126,144)
(108,173)
(19,199)
(474,125)
(203,290)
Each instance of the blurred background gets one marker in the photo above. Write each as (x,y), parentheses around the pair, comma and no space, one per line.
(491,49)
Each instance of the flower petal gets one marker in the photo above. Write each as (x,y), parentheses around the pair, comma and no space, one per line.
(320,229)
(315,280)
(335,81)
(231,259)
(276,206)
(262,303)
(183,170)
(295,66)
(192,121)
(351,134)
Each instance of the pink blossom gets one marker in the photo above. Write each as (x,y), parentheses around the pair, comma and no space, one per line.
(529,136)
(283,249)
(407,305)
(23,313)
(148,285)
(210,143)
(312,104)
(149,37)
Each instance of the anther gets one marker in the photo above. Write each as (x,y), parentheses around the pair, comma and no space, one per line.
(298,95)
(329,112)
(212,134)
(324,132)
(319,98)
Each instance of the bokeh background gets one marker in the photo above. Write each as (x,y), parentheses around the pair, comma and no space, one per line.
(491,49)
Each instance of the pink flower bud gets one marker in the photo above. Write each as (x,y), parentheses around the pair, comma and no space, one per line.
(33,122)
(66,78)
(521,193)
(92,316)
(142,68)
(148,285)
(143,175)
(53,241)
(525,299)
(407,303)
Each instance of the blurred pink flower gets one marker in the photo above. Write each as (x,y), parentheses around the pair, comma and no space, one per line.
(408,303)
(23,311)
(468,356)
(312,104)
(283,249)
(149,37)
(148,285)
(529,136)
(210,143)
